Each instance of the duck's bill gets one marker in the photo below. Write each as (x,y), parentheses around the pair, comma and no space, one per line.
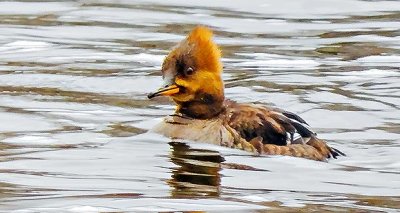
(167,91)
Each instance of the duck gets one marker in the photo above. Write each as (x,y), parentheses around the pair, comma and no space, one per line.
(192,78)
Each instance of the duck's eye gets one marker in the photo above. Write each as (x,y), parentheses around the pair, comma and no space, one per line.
(189,71)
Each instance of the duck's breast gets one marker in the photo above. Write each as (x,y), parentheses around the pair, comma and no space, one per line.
(208,131)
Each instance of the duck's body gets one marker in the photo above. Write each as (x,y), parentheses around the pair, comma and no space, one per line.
(192,72)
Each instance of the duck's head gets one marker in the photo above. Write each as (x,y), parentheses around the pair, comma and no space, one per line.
(192,75)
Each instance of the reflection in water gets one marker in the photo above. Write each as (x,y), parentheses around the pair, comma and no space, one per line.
(198,171)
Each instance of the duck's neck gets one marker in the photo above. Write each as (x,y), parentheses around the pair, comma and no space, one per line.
(205,107)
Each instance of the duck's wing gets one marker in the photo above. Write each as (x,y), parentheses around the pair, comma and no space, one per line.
(274,131)
(273,125)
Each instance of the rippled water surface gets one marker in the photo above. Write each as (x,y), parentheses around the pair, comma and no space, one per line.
(74,114)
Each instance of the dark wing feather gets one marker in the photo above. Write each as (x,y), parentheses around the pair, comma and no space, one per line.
(252,121)
(262,125)
(293,116)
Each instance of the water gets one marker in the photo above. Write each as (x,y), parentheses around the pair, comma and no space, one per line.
(74,76)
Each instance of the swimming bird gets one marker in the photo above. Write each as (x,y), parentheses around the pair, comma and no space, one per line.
(192,79)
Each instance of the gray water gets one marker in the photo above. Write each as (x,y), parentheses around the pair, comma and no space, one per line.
(74,76)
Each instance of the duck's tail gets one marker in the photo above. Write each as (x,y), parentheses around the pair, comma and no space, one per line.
(323,148)
(314,149)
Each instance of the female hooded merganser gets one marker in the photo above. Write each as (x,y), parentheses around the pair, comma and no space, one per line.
(192,76)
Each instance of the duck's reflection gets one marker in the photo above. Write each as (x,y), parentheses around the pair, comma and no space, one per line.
(198,171)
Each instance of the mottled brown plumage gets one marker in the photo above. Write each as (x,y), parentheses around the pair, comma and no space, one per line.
(192,75)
